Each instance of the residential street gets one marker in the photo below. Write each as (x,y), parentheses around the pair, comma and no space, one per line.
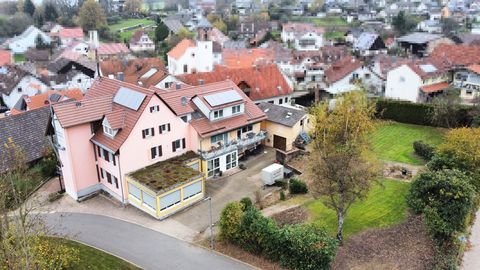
(144,247)
(471,258)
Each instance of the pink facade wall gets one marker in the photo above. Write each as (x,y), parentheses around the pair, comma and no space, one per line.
(135,151)
(114,170)
(78,160)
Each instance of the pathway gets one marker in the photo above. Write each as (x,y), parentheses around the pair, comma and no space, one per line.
(471,258)
(141,246)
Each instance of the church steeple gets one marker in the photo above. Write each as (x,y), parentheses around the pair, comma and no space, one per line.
(203,30)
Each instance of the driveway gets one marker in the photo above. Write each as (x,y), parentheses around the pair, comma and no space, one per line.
(144,247)
(225,190)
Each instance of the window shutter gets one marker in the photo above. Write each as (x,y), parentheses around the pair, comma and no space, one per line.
(101,173)
(160,129)
(113,159)
(168,126)
(116,181)
(183,143)
(153,131)
(173,146)
(99,151)
(160,153)
(151,109)
(143,133)
(153,152)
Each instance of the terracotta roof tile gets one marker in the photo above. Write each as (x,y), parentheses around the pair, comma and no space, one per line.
(76,32)
(475,68)
(5,58)
(342,68)
(75,113)
(134,69)
(264,82)
(245,58)
(435,87)
(181,48)
(457,55)
(116,119)
(112,49)
(42,100)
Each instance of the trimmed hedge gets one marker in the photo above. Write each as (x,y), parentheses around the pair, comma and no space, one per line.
(416,113)
(297,187)
(424,150)
(302,247)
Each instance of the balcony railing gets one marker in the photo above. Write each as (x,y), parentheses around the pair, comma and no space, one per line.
(239,144)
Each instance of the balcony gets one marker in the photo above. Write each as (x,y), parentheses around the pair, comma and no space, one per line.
(240,145)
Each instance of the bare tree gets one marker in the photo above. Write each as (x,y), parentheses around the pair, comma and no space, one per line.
(341,166)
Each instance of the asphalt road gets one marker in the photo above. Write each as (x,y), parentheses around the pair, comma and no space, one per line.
(144,247)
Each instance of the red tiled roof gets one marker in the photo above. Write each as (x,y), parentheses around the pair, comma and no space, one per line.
(5,57)
(435,87)
(342,68)
(245,58)
(457,55)
(475,68)
(264,81)
(181,48)
(42,100)
(112,49)
(76,32)
(137,36)
(135,69)
(98,103)
(203,126)
(301,28)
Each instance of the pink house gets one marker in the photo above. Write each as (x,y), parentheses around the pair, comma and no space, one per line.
(132,143)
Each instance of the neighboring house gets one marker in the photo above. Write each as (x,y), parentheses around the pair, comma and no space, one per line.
(174,25)
(430,26)
(243,58)
(5,58)
(16,83)
(153,148)
(34,143)
(41,100)
(264,83)
(468,81)
(416,81)
(28,39)
(66,73)
(141,42)
(68,35)
(369,44)
(283,125)
(190,56)
(344,75)
(303,36)
(422,44)
(112,51)
(144,72)
(37,56)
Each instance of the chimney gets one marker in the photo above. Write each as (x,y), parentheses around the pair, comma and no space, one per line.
(178,86)
(120,76)
(200,82)
(93,39)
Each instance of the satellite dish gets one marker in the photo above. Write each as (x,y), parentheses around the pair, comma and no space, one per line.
(184,101)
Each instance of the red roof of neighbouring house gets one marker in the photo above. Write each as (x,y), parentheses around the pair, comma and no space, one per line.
(456,55)
(112,49)
(475,68)
(244,58)
(5,57)
(263,81)
(142,71)
(181,48)
(342,68)
(76,32)
(301,28)
(435,87)
(205,127)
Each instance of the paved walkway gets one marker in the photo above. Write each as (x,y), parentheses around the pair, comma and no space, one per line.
(139,245)
(471,258)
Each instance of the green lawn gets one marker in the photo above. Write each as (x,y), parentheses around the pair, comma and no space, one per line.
(126,23)
(18,58)
(384,206)
(394,141)
(334,35)
(329,21)
(94,259)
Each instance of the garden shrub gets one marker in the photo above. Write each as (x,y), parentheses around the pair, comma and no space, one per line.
(302,247)
(246,203)
(230,220)
(446,198)
(424,150)
(298,187)
(282,196)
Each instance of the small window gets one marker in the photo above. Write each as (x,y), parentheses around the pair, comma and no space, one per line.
(367,75)
(235,109)
(147,133)
(164,128)
(218,114)
(280,101)
(178,144)
(184,118)
(109,178)
(79,80)
(115,180)
(469,92)
(185,68)
(19,89)
(155,108)
(402,79)
(218,138)
(109,131)
(156,152)
(106,155)
(301,122)
(271,102)
(286,100)
(193,54)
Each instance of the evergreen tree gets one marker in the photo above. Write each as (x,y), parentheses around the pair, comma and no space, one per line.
(29,7)
(161,32)
(51,13)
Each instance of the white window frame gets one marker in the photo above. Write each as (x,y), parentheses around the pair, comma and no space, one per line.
(218,114)
(236,109)
(212,166)
(108,131)
(233,160)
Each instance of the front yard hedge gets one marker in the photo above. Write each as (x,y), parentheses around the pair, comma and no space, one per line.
(302,247)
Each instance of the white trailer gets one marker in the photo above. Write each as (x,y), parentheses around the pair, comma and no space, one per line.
(272,173)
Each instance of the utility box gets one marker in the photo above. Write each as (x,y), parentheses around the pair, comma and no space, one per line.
(272,173)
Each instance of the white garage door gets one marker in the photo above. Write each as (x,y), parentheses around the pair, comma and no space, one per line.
(192,190)
(169,200)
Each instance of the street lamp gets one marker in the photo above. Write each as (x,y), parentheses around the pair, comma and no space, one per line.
(209,199)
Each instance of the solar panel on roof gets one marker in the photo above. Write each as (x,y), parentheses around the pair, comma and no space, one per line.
(129,98)
(428,68)
(221,98)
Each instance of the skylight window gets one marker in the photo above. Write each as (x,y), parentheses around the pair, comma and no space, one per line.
(222,98)
(129,98)
(428,68)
